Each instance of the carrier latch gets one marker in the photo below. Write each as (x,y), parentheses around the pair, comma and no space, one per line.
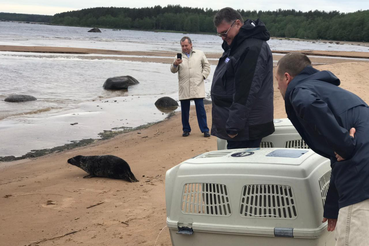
(185,229)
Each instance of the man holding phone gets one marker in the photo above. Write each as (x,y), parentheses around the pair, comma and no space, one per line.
(193,68)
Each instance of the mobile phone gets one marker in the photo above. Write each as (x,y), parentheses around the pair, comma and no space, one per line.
(179,55)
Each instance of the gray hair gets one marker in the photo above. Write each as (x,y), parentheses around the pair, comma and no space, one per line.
(228,15)
(292,63)
(184,39)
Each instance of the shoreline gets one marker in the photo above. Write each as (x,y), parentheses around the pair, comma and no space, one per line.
(165,56)
(105,135)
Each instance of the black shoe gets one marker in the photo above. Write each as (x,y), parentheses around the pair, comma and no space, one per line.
(206,134)
(185,134)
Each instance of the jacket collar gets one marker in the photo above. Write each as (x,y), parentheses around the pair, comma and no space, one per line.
(307,71)
(250,29)
(314,75)
(192,51)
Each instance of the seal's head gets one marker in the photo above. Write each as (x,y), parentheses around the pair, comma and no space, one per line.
(75,161)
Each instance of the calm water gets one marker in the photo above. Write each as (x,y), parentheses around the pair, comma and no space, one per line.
(69,89)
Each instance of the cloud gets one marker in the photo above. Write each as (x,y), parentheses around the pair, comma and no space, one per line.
(52,7)
(32,9)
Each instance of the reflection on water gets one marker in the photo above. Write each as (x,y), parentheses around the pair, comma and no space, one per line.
(167,110)
(62,83)
(70,90)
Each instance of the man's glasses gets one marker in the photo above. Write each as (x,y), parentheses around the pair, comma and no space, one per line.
(224,34)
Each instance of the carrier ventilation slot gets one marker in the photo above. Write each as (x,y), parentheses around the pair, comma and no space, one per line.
(266,144)
(297,144)
(206,198)
(324,185)
(275,201)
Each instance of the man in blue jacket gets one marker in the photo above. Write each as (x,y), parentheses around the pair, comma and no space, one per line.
(335,124)
(242,88)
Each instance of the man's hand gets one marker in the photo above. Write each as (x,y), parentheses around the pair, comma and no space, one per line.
(331,223)
(177,62)
(338,157)
(352,134)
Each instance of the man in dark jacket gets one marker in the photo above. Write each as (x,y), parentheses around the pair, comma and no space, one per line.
(242,88)
(335,124)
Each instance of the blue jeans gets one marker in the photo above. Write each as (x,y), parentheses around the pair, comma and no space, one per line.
(243,144)
(200,111)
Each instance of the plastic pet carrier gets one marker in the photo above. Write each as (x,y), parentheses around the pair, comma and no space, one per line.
(266,197)
(285,136)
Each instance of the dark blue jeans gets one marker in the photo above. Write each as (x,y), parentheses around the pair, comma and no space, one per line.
(200,111)
(243,144)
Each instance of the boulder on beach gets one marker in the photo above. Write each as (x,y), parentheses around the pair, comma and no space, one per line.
(166,104)
(119,83)
(20,98)
(95,29)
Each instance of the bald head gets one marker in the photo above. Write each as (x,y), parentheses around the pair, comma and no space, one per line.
(293,64)
(288,67)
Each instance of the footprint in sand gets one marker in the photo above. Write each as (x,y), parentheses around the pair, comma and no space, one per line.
(64,203)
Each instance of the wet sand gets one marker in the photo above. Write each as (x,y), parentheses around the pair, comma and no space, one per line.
(44,201)
(320,57)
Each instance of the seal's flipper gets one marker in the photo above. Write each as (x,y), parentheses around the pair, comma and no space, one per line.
(131,177)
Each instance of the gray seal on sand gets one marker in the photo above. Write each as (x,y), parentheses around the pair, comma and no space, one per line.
(108,166)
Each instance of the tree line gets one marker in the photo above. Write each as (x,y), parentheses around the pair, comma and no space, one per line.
(280,23)
(25,17)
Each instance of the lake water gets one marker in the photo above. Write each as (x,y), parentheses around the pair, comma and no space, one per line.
(72,105)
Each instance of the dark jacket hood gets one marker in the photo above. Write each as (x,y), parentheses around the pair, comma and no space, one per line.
(250,29)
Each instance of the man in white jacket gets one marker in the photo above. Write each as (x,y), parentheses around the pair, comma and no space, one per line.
(193,68)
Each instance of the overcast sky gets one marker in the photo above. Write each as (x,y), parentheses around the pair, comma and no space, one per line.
(51,7)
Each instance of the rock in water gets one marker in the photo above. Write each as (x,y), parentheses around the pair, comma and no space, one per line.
(95,29)
(120,83)
(166,104)
(108,166)
(20,98)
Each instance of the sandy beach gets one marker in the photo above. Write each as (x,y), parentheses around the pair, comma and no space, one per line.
(45,201)
(319,57)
